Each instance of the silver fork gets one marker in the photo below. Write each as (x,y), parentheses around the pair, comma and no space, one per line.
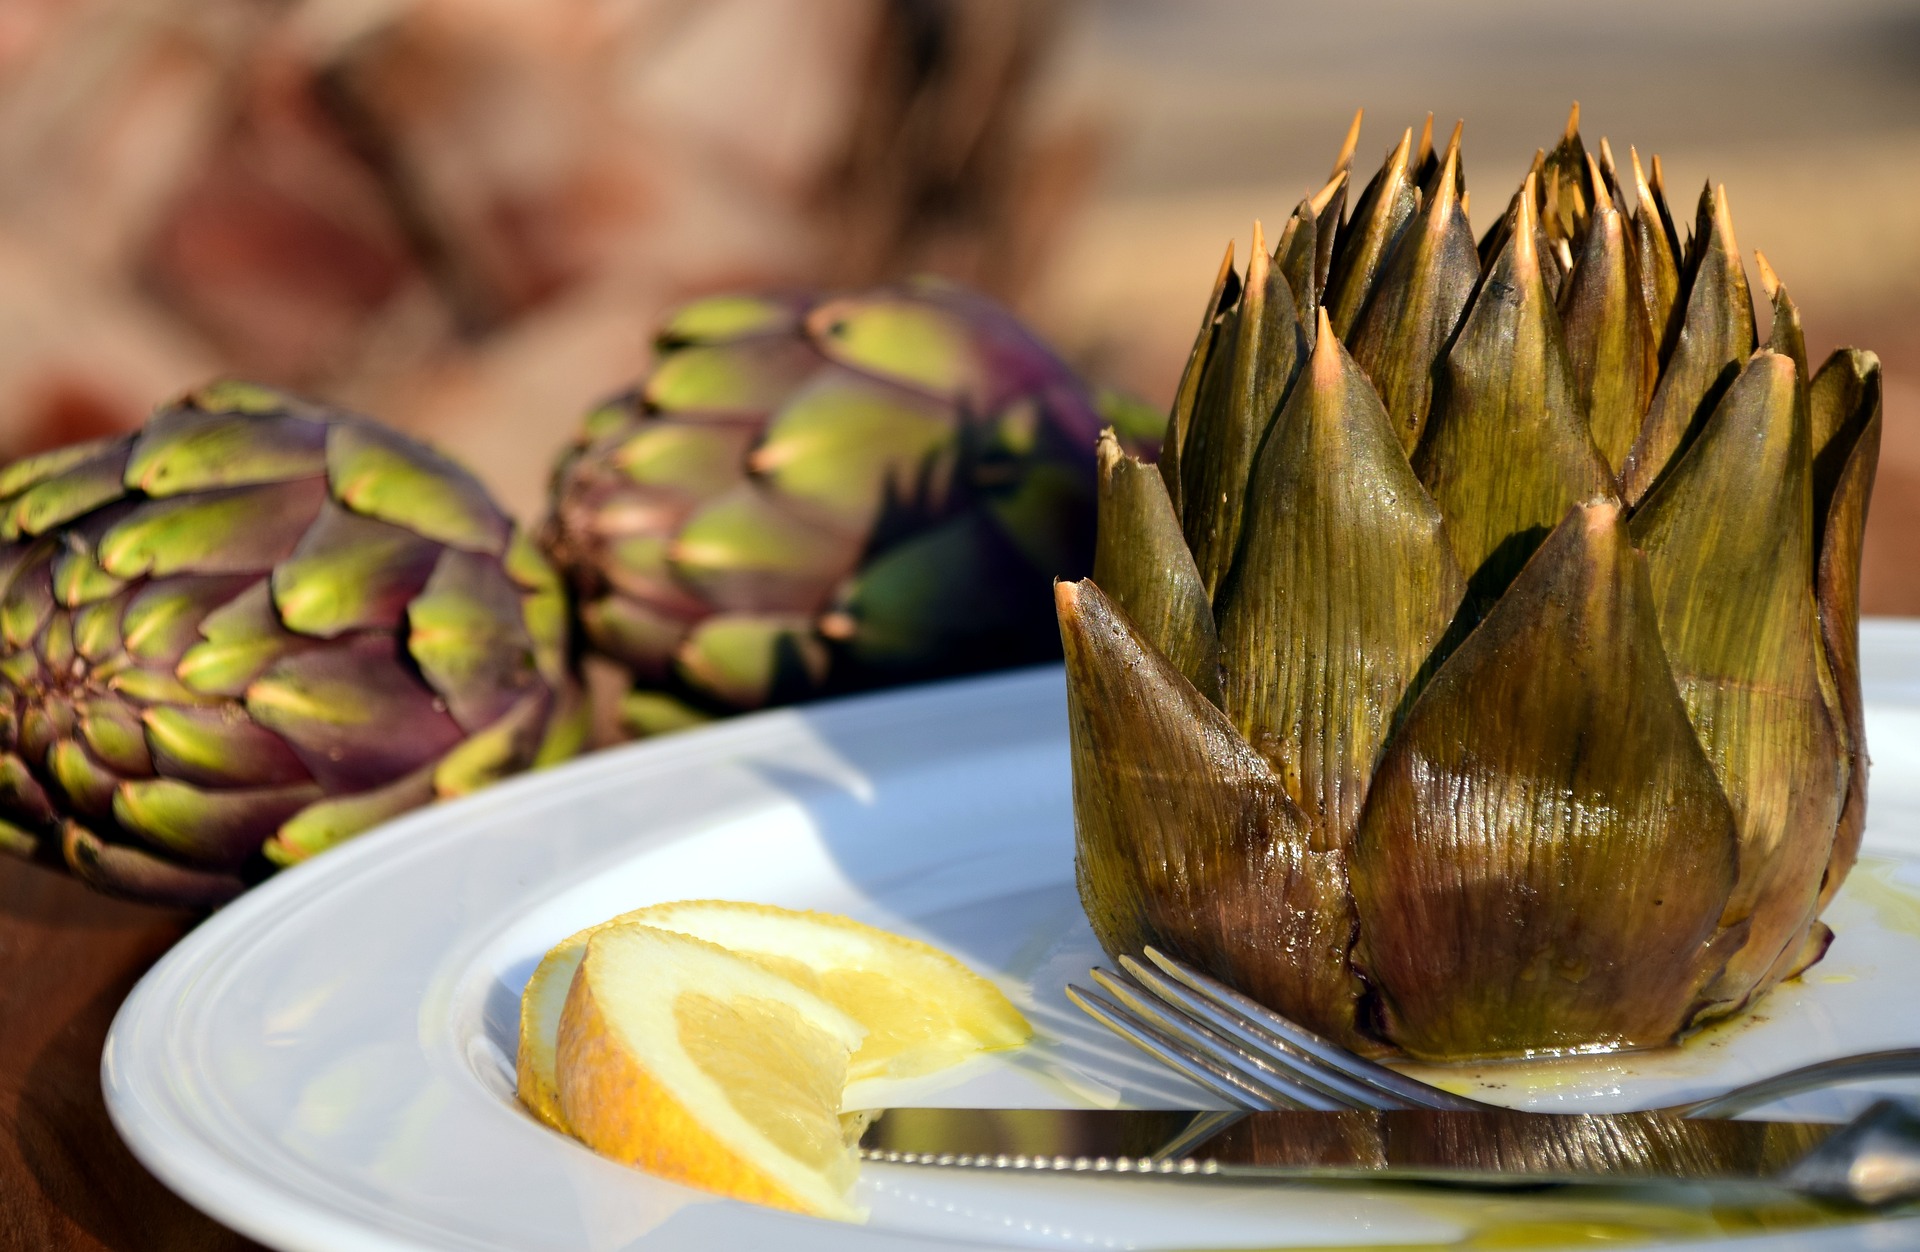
(1255,1058)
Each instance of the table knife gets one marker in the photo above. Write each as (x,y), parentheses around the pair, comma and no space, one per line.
(1872,1161)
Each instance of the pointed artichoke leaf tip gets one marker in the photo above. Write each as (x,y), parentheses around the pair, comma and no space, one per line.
(1424,151)
(1344,162)
(1573,123)
(1769,281)
(1659,177)
(1222,279)
(1602,198)
(1723,224)
(1323,197)
(1448,192)
(1526,256)
(1327,362)
(1066,599)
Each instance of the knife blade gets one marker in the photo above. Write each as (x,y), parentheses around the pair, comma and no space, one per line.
(1487,1149)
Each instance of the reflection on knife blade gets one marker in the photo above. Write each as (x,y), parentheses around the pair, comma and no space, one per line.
(1873,1160)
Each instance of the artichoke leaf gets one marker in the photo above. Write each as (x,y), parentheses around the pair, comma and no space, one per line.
(1787,337)
(646,713)
(1185,838)
(1545,853)
(1729,543)
(382,474)
(1422,292)
(332,821)
(957,596)
(18,841)
(239,640)
(96,628)
(1616,360)
(846,443)
(1383,210)
(568,729)
(1507,451)
(59,499)
(185,449)
(219,747)
(351,572)
(114,735)
(1344,586)
(77,578)
(742,378)
(87,784)
(1657,258)
(1227,429)
(18,476)
(1841,400)
(1843,510)
(165,616)
(1295,256)
(1715,338)
(497,751)
(1225,295)
(1330,209)
(212,828)
(233,530)
(116,869)
(21,795)
(1142,563)
(715,319)
(634,633)
(746,552)
(906,339)
(465,632)
(695,459)
(749,660)
(323,702)
(1567,184)
(28,601)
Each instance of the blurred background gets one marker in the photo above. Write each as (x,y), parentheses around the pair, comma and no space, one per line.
(465,216)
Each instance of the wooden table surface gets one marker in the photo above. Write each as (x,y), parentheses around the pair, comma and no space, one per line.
(68,957)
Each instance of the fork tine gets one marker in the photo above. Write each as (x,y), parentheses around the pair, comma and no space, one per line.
(1263,1046)
(1168,1053)
(1282,1088)
(1329,1053)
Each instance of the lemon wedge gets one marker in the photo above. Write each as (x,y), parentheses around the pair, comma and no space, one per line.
(922,1009)
(691,1062)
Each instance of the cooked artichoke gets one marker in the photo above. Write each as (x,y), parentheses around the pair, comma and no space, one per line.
(252,630)
(1476,675)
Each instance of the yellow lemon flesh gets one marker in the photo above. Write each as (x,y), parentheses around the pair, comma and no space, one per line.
(691,1062)
(922,1009)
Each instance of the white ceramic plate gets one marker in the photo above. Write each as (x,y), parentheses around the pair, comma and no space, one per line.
(326,1064)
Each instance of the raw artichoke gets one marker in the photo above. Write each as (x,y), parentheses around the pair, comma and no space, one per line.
(1477,673)
(814,495)
(253,629)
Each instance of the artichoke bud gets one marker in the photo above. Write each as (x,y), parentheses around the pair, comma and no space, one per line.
(249,631)
(1479,676)
(817,494)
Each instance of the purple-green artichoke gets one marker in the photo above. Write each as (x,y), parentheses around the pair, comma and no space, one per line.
(250,631)
(1477,673)
(809,495)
